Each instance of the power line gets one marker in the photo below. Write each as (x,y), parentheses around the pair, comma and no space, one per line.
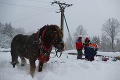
(61,5)
(31,16)
(79,1)
(39,1)
(26,13)
(19,5)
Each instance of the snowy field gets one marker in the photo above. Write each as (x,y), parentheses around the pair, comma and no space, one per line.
(64,68)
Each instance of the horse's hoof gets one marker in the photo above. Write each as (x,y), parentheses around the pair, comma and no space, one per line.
(22,65)
(40,70)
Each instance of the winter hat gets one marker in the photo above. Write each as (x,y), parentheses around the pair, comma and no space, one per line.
(86,39)
(80,36)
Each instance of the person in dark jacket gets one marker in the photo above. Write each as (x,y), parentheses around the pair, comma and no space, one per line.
(86,44)
(91,51)
(79,47)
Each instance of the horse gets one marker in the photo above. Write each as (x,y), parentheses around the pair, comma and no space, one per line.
(37,46)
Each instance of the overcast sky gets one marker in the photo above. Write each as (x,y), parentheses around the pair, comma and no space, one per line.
(34,14)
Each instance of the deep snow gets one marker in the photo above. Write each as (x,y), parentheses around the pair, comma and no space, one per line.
(63,68)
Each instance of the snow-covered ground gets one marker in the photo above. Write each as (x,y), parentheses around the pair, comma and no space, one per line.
(64,68)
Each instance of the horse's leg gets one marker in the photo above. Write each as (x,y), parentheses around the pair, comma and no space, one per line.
(32,66)
(40,66)
(23,61)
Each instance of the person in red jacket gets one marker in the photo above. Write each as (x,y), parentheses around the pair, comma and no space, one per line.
(79,47)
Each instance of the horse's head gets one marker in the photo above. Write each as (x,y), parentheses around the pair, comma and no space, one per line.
(58,39)
(51,35)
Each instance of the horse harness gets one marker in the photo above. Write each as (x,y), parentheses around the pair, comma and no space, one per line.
(44,51)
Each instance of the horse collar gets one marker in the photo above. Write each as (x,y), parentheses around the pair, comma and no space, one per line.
(43,58)
(43,34)
(40,39)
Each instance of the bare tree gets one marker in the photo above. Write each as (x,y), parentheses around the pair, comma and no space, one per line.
(111,29)
(8,30)
(19,31)
(117,47)
(68,45)
(104,43)
(79,31)
(95,39)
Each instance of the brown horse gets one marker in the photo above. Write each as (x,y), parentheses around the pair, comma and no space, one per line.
(36,46)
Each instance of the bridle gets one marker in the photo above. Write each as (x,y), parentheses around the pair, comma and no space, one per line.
(58,41)
(55,42)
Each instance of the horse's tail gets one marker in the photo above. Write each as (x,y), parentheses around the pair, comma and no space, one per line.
(14,58)
(14,50)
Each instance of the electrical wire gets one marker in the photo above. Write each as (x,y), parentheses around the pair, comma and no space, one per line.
(78,2)
(30,11)
(19,5)
(31,16)
(39,1)
(26,13)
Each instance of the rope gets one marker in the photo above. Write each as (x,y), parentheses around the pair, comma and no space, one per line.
(66,24)
(69,32)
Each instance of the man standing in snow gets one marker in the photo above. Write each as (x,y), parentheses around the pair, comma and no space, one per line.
(79,47)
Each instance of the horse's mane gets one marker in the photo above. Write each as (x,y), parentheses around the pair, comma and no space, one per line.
(53,27)
(57,29)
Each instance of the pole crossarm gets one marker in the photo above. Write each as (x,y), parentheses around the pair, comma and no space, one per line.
(61,5)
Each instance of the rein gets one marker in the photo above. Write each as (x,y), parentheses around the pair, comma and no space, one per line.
(56,54)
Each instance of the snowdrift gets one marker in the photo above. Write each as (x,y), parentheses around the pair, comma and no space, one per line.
(65,68)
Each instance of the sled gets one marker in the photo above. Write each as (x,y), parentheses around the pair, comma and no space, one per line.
(105,59)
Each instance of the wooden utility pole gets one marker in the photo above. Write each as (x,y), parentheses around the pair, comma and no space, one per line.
(62,8)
